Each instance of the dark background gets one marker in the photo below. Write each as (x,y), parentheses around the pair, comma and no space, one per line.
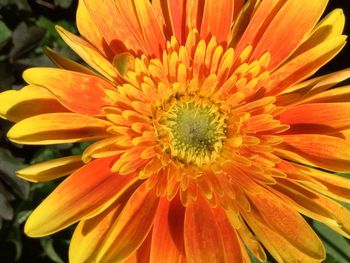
(25,27)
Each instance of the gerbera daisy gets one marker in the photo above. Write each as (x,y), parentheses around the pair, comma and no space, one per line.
(207,138)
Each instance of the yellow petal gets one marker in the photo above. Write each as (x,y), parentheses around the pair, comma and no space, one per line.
(50,170)
(55,128)
(17,105)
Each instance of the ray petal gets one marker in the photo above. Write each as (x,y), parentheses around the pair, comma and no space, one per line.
(289,224)
(89,30)
(53,128)
(85,193)
(67,86)
(211,25)
(167,235)
(52,169)
(300,17)
(131,228)
(203,239)
(17,105)
(328,152)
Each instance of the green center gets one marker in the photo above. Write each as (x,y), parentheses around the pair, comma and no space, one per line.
(196,131)
(195,127)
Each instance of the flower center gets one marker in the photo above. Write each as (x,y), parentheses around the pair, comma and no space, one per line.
(196,130)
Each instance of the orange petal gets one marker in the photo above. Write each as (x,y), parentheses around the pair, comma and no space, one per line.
(275,243)
(211,25)
(300,18)
(74,90)
(55,128)
(152,33)
(85,193)
(66,63)
(304,65)
(142,254)
(175,13)
(131,228)
(335,186)
(121,30)
(203,239)
(289,224)
(317,117)
(90,234)
(258,22)
(167,235)
(89,54)
(330,26)
(325,151)
(194,12)
(233,252)
(89,30)
(50,170)
(17,105)
(319,84)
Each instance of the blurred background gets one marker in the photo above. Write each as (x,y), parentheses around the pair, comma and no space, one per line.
(26,26)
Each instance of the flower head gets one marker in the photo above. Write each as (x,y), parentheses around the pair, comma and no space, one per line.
(207,137)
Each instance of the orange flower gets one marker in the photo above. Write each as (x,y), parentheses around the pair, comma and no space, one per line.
(207,138)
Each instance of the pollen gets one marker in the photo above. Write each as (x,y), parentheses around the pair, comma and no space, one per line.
(196,130)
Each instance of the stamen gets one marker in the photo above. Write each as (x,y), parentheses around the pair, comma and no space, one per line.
(196,130)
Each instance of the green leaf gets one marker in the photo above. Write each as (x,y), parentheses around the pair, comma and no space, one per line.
(64,3)
(25,38)
(5,207)
(47,244)
(8,167)
(5,33)
(23,5)
(338,248)
(45,154)
(80,148)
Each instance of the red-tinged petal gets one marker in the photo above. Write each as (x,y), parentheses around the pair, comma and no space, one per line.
(142,254)
(85,193)
(89,234)
(194,12)
(211,25)
(317,117)
(17,105)
(52,169)
(121,30)
(300,17)
(152,33)
(167,235)
(66,63)
(53,128)
(289,224)
(131,228)
(89,54)
(258,22)
(177,17)
(231,241)
(202,236)
(325,151)
(304,65)
(89,30)
(68,86)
